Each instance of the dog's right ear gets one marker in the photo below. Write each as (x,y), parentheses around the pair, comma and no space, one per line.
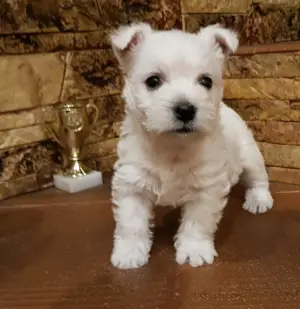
(126,40)
(221,39)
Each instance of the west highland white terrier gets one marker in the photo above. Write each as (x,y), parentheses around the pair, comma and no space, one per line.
(180,144)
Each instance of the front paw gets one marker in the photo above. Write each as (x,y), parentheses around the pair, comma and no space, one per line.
(258,200)
(131,252)
(195,251)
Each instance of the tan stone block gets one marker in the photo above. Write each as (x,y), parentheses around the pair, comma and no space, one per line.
(285,175)
(24,118)
(22,136)
(92,40)
(53,42)
(14,18)
(104,132)
(193,22)
(101,149)
(112,13)
(160,14)
(28,168)
(90,74)
(106,164)
(32,43)
(264,65)
(281,155)
(260,89)
(257,128)
(48,16)
(21,161)
(117,128)
(276,132)
(215,6)
(18,186)
(263,24)
(30,80)
(111,108)
(280,3)
(295,111)
(261,109)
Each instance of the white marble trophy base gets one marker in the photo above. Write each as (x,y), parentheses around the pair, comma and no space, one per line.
(72,185)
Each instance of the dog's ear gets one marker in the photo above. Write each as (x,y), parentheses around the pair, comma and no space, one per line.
(220,38)
(126,40)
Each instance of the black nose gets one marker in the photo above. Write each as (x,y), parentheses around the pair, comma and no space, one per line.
(185,111)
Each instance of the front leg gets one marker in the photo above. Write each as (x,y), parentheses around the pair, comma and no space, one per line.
(194,241)
(132,236)
(133,211)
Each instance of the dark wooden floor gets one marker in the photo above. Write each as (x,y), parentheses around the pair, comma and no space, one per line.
(55,249)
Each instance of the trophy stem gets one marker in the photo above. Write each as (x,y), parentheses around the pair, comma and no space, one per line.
(76,168)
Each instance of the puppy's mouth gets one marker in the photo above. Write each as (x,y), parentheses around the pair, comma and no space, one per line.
(185,129)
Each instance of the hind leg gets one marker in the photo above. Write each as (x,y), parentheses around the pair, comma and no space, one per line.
(258,197)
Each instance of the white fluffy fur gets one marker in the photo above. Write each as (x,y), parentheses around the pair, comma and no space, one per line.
(194,170)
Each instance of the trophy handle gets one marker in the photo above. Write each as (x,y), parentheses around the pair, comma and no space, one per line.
(51,132)
(96,115)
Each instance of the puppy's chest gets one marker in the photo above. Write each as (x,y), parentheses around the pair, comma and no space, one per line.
(175,188)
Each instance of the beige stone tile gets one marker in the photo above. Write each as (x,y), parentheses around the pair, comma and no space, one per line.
(285,175)
(30,80)
(30,167)
(161,14)
(92,40)
(193,22)
(281,155)
(281,3)
(112,13)
(268,48)
(38,158)
(261,109)
(259,89)
(286,133)
(92,73)
(100,132)
(22,136)
(101,149)
(20,16)
(215,6)
(265,65)
(262,24)
(106,164)
(33,43)
(53,42)
(295,111)
(104,132)
(24,118)
(18,186)
(111,108)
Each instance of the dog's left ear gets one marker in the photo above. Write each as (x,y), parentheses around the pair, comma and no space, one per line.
(221,39)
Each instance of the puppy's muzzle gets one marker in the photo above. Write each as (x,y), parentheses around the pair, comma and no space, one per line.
(185,112)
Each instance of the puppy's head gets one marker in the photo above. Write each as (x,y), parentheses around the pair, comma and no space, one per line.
(173,80)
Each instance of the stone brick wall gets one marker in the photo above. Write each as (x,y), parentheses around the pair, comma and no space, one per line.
(54,51)
(262,82)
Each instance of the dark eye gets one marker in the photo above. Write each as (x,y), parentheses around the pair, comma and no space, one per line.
(153,82)
(205,81)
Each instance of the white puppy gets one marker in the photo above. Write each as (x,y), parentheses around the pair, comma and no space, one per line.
(180,144)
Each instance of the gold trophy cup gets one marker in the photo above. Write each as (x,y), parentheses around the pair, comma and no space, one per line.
(70,128)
